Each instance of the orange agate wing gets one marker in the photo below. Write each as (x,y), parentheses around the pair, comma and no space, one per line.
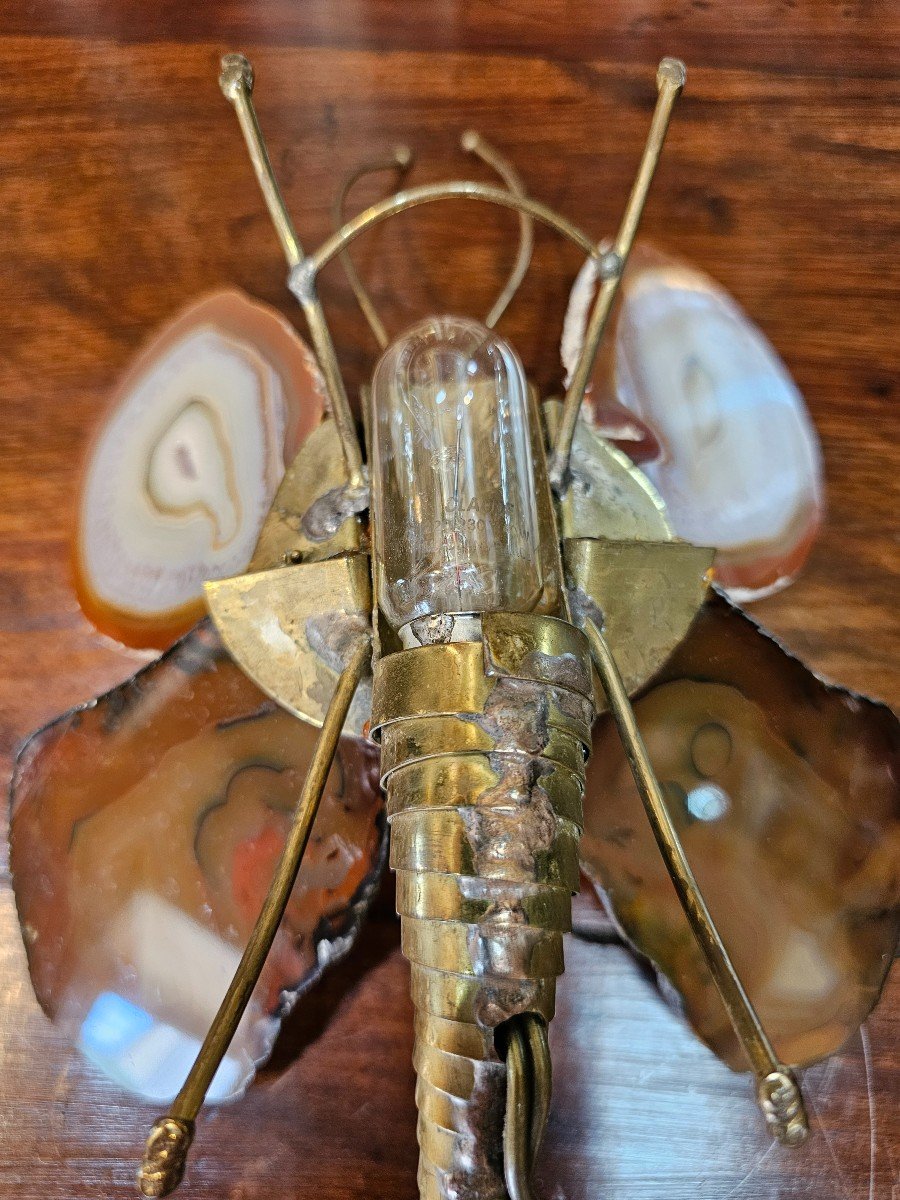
(145,830)
(182,471)
(784,790)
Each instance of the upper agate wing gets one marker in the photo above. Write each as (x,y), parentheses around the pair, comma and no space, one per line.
(145,829)
(784,791)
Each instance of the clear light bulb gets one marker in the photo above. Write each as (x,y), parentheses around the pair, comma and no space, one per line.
(456,522)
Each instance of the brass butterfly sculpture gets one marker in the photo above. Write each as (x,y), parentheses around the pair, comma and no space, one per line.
(463,615)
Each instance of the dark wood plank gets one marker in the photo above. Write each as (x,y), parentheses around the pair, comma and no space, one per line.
(779,36)
(125,193)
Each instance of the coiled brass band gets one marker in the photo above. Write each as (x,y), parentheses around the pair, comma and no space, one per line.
(443,841)
(508,951)
(458,677)
(566,741)
(471,780)
(483,753)
(453,898)
(467,999)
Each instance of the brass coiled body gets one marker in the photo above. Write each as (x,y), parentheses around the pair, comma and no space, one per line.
(483,752)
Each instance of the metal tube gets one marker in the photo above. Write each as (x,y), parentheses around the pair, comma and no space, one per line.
(788,1124)
(302,284)
(427,193)
(669,81)
(400,160)
(159,1179)
(236,82)
(518,1148)
(473,143)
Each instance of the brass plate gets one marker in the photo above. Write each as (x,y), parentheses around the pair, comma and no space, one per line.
(647,594)
(609,496)
(291,629)
(317,469)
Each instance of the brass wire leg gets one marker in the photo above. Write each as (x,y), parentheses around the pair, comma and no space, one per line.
(236,82)
(778,1093)
(164,1159)
(473,143)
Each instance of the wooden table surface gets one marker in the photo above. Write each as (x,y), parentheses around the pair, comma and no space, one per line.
(125,192)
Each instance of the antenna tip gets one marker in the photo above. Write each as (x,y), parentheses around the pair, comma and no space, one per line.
(671,71)
(166,1152)
(236,76)
(470,140)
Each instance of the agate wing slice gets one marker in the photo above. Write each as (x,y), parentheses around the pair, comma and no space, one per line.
(691,388)
(184,469)
(145,829)
(785,793)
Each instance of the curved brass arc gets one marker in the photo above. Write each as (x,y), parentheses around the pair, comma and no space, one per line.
(400,160)
(428,193)
(528,1088)
(473,143)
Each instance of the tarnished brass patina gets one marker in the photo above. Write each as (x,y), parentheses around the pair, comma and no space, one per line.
(306,522)
(289,621)
(290,629)
(485,845)
(608,496)
(646,594)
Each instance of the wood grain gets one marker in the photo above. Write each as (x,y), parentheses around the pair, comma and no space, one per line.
(125,193)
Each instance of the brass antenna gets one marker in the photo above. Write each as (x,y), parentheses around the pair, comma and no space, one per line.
(170,1139)
(236,82)
(473,143)
(401,160)
(670,78)
(778,1092)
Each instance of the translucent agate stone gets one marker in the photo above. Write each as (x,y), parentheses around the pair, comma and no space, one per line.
(145,829)
(784,791)
(183,470)
(692,389)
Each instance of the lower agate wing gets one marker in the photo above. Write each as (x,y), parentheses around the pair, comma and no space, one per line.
(145,829)
(784,791)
